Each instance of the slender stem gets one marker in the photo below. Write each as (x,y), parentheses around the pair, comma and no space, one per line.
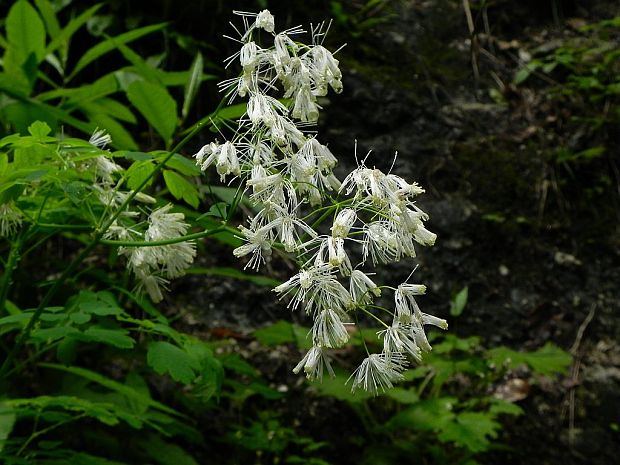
(85,252)
(11,264)
(35,435)
(176,240)
(368,312)
(70,227)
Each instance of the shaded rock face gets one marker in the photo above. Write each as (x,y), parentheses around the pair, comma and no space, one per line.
(533,274)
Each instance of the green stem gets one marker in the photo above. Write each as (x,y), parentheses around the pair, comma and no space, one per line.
(37,434)
(11,264)
(176,240)
(70,227)
(84,253)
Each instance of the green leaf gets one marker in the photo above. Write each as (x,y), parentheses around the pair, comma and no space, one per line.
(111,44)
(164,357)
(181,188)
(156,105)
(281,332)
(191,88)
(114,337)
(548,360)
(138,172)
(499,406)
(471,430)
(25,32)
(99,303)
(61,39)
(338,388)
(427,415)
(49,17)
(403,396)
(39,130)
(180,163)
(7,421)
(52,334)
(459,301)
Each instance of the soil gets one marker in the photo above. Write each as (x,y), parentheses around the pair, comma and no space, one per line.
(540,258)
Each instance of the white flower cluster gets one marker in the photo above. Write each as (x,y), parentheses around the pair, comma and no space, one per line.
(153,266)
(285,168)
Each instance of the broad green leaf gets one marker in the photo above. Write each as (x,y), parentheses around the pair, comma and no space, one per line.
(114,337)
(99,303)
(111,44)
(138,172)
(25,32)
(164,357)
(471,430)
(117,110)
(156,105)
(181,188)
(459,301)
(180,163)
(191,88)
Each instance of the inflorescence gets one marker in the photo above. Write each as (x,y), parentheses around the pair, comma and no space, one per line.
(286,170)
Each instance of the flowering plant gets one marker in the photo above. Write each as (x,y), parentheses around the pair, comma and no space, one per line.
(276,155)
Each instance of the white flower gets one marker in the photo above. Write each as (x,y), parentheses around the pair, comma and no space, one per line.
(345,219)
(381,243)
(264,109)
(396,339)
(288,225)
(249,56)
(105,168)
(314,363)
(259,244)
(100,138)
(329,330)
(305,108)
(325,70)
(206,155)
(362,288)
(226,160)
(265,20)
(152,284)
(337,256)
(164,225)
(378,372)
(317,288)
(10,219)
